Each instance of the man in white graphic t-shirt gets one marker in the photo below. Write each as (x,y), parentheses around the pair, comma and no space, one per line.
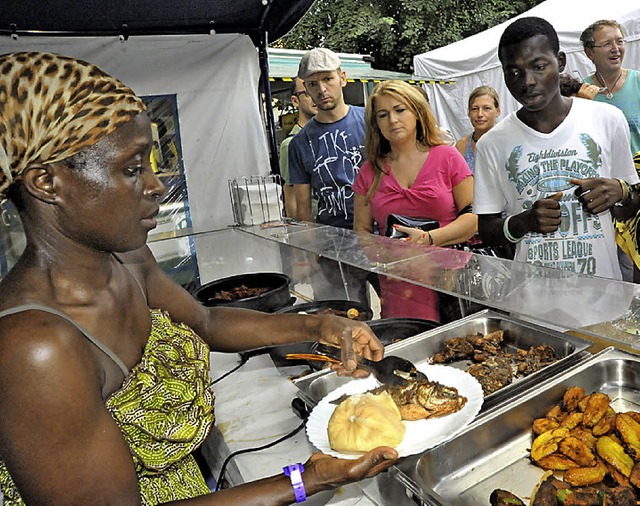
(558,167)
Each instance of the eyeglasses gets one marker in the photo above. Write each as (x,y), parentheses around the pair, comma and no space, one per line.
(298,93)
(609,44)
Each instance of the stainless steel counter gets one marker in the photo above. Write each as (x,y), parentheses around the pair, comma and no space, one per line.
(254,404)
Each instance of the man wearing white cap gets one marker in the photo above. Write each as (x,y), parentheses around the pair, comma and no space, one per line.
(325,156)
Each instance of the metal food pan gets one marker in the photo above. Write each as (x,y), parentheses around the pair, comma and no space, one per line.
(493,451)
(421,348)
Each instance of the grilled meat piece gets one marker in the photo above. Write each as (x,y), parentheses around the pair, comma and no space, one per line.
(535,359)
(501,497)
(494,368)
(546,493)
(239,292)
(620,496)
(587,496)
(493,374)
(597,496)
(476,347)
(456,348)
(634,478)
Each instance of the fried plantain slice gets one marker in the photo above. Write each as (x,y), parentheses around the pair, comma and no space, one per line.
(582,403)
(595,409)
(547,443)
(635,415)
(582,476)
(614,435)
(577,451)
(572,421)
(606,424)
(629,431)
(541,425)
(556,413)
(613,453)
(556,462)
(586,436)
(571,398)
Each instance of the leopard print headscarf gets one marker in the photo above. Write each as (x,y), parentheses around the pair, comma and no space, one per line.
(52,107)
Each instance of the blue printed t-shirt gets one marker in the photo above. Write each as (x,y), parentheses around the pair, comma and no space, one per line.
(328,156)
(627,99)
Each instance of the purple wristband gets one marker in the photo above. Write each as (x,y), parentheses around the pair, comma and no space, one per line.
(294,472)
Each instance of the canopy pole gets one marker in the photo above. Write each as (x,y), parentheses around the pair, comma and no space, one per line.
(263,56)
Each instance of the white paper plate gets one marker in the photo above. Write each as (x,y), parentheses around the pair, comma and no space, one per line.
(421,434)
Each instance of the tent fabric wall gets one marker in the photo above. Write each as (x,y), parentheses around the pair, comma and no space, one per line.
(474,61)
(215,79)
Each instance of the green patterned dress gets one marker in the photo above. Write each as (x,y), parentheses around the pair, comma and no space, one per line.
(165,411)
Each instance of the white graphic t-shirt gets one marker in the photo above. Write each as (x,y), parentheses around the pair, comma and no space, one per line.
(516,165)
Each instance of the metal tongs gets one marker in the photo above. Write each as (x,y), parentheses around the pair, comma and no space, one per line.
(392,371)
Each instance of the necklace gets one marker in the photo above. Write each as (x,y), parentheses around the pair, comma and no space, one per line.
(473,137)
(609,94)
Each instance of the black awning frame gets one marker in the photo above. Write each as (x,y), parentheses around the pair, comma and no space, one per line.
(263,21)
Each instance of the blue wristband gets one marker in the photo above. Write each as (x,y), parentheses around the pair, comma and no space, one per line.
(294,472)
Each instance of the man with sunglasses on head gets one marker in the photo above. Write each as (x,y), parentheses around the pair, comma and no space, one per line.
(301,100)
(604,45)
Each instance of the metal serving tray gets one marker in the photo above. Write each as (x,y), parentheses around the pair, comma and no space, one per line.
(420,348)
(492,452)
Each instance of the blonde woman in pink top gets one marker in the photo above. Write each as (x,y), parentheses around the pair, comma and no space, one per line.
(410,171)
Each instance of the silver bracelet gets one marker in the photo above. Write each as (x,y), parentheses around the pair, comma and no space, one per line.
(507,234)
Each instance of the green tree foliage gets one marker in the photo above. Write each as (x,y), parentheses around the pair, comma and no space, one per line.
(394,31)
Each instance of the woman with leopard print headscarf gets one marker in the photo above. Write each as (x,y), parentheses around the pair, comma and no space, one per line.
(104,385)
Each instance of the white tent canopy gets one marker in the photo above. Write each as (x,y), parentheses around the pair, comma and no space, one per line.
(214,79)
(474,61)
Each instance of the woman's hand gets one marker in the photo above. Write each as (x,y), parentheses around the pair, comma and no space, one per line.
(415,234)
(328,472)
(354,338)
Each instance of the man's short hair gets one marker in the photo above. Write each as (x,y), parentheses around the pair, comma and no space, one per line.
(525,28)
(586,37)
(294,85)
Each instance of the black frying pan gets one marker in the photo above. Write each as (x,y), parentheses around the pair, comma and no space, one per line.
(276,297)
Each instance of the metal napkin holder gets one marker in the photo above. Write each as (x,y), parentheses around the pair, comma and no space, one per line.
(256,199)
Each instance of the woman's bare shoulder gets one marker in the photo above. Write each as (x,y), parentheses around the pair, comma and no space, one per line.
(461,145)
(38,347)
(35,332)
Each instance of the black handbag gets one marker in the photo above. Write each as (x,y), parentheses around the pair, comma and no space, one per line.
(424,224)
